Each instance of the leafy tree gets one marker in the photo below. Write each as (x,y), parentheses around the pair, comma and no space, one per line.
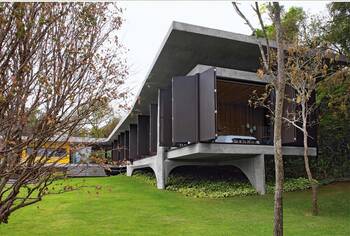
(290,20)
(278,75)
(333,97)
(104,130)
(339,26)
(102,122)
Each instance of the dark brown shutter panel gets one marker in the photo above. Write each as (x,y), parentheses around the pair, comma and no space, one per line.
(121,146)
(165,130)
(153,128)
(126,145)
(185,109)
(133,142)
(114,151)
(207,105)
(118,148)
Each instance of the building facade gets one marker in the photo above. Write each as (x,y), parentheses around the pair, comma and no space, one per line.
(193,109)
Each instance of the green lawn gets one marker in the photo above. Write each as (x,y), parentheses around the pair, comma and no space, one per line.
(128,206)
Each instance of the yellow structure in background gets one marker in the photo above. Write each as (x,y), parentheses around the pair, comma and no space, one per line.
(56,152)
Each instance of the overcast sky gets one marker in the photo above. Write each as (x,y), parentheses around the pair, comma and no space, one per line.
(147,22)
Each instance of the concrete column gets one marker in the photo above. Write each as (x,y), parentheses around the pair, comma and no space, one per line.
(159,168)
(159,165)
(254,169)
(129,170)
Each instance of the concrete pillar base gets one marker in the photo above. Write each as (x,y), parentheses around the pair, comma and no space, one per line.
(129,170)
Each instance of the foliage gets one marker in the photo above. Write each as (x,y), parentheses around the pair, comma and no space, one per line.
(291,185)
(104,130)
(339,27)
(333,98)
(208,189)
(202,187)
(334,128)
(291,21)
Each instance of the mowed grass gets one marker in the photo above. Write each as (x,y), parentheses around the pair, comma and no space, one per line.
(123,205)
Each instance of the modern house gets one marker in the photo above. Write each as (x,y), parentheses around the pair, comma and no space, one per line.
(193,109)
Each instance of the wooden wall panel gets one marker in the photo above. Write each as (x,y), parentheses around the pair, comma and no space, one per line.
(234,113)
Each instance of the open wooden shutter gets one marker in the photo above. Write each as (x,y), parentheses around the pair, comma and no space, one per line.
(185,109)
(165,117)
(142,135)
(207,105)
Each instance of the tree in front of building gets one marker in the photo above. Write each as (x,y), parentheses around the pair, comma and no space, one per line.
(59,62)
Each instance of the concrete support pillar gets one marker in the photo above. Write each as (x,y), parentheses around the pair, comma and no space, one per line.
(159,168)
(129,170)
(254,169)
(159,164)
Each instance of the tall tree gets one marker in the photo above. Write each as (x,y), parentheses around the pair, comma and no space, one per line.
(59,62)
(304,66)
(280,86)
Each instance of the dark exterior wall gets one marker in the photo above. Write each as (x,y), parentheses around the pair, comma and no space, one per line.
(118,148)
(114,151)
(153,128)
(126,145)
(133,142)
(142,136)
(122,146)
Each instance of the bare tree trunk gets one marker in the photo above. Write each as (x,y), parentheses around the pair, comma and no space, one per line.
(280,90)
(314,185)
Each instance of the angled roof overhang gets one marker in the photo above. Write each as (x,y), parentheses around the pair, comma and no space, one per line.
(184,47)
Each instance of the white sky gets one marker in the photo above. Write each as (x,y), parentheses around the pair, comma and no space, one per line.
(147,22)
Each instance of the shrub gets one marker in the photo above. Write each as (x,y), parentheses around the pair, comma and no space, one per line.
(194,186)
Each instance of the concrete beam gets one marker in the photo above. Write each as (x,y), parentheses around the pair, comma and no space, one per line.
(217,150)
(142,163)
(233,74)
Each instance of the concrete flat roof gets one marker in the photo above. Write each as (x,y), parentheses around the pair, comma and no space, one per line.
(184,47)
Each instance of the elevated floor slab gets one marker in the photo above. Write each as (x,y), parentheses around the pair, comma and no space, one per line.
(217,151)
